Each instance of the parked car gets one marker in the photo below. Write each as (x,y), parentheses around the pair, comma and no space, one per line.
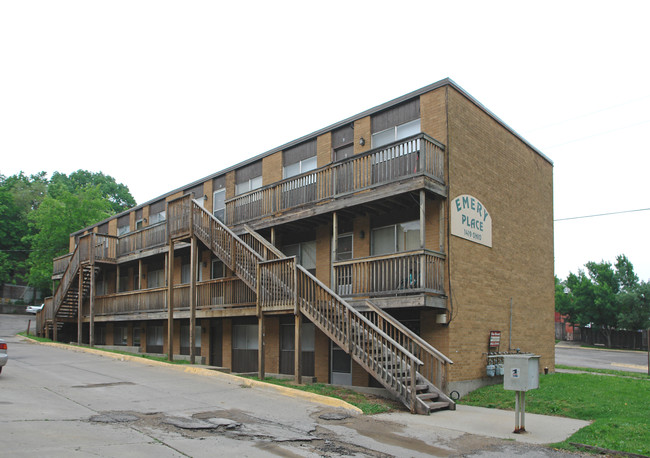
(34,309)
(4,357)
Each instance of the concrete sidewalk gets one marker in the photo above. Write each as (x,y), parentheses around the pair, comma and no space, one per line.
(540,429)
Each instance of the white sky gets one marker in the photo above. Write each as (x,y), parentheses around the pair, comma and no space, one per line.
(146,90)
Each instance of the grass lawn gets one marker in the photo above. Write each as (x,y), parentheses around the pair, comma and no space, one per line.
(618,406)
(368,403)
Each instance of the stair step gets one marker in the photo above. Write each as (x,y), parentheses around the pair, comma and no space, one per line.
(437,405)
(428,396)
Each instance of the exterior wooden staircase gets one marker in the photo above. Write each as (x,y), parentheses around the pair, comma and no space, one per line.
(283,285)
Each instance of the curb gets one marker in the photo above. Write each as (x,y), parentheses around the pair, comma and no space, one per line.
(244,382)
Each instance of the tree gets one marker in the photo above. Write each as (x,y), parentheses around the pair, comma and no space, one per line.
(53,222)
(117,194)
(12,229)
(606,297)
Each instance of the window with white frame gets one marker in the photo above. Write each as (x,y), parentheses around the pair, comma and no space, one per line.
(305,254)
(395,238)
(248,185)
(299,167)
(157,217)
(395,133)
(219,205)
(121,230)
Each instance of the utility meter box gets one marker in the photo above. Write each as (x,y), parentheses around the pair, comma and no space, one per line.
(520,372)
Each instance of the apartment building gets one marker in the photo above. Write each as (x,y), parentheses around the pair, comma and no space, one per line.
(403,247)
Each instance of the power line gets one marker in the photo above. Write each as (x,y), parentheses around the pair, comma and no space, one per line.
(603,214)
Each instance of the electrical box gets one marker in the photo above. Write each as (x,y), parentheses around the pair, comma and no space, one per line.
(520,372)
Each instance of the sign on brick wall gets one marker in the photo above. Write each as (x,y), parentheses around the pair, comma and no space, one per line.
(470,220)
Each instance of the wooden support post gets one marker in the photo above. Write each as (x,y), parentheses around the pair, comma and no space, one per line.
(117,278)
(55,333)
(260,345)
(335,248)
(139,273)
(297,353)
(193,262)
(273,236)
(91,323)
(80,305)
(423,229)
(170,301)
(441,227)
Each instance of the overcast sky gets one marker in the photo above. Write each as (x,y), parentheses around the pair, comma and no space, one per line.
(159,94)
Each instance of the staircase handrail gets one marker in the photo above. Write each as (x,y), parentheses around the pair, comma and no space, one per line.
(268,245)
(402,388)
(66,280)
(426,346)
(358,314)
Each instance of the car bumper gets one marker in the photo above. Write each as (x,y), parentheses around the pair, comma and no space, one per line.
(3,359)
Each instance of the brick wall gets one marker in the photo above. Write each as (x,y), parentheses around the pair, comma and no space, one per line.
(272,168)
(516,185)
(272,344)
(323,253)
(324,149)
(226,356)
(321,356)
(433,118)
(362,129)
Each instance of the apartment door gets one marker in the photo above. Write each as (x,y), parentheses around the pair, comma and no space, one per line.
(216,348)
(341,366)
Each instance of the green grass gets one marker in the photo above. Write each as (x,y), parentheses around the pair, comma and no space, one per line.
(369,404)
(604,371)
(618,406)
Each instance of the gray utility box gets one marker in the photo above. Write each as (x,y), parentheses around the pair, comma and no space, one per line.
(520,372)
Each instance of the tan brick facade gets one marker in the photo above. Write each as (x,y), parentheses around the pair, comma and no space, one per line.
(515,184)
(482,158)
(272,168)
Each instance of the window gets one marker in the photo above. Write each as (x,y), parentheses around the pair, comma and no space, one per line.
(342,142)
(305,254)
(299,167)
(219,205)
(121,230)
(154,339)
(156,278)
(395,133)
(157,217)
(139,224)
(185,339)
(244,337)
(248,185)
(218,269)
(344,247)
(185,271)
(120,333)
(395,238)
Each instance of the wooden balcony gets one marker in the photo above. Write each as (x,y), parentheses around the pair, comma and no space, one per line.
(417,156)
(408,273)
(222,293)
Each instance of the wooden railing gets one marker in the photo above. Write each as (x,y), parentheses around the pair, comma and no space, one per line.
(148,237)
(146,300)
(435,367)
(60,264)
(276,286)
(259,244)
(178,216)
(399,273)
(416,155)
(223,292)
(66,281)
(282,284)
(239,257)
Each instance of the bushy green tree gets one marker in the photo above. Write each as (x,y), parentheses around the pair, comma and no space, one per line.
(53,222)
(605,296)
(116,194)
